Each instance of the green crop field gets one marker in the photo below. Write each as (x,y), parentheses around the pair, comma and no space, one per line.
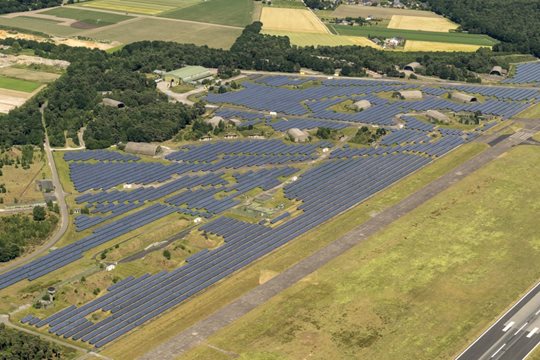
(395,296)
(169,30)
(225,12)
(293,4)
(18,84)
(87,16)
(146,7)
(40,25)
(310,39)
(454,38)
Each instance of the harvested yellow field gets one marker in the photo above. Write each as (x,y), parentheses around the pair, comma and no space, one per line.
(412,45)
(420,23)
(294,20)
(310,39)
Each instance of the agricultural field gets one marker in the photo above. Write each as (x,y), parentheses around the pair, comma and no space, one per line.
(421,23)
(143,7)
(45,26)
(225,12)
(26,74)
(85,19)
(414,45)
(292,20)
(432,36)
(374,302)
(378,12)
(153,29)
(10,83)
(291,4)
(310,39)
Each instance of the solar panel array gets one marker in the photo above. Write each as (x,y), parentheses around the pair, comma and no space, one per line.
(526,73)
(346,178)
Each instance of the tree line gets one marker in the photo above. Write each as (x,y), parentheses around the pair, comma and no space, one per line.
(17,345)
(11,6)
(515,23)
(74,100)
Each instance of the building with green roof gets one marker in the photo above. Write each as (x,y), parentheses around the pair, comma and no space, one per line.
(186,75)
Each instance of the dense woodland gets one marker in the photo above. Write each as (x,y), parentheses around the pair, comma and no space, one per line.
(17,232)
(75,99)
(515,23)
(10,6)
(17,345)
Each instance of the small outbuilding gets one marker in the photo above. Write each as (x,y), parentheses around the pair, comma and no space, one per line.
(187,74)
(438,116)
(361,105)
(113,103)
(235,122)
(461,97)
(298,135)
(142,148)
(409,94)
(45,185)
(412,66)
(498,71)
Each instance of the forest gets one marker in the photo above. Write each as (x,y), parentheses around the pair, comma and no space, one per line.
(74,100)
(18,232)
(16,345)
(515,23)
(10,6)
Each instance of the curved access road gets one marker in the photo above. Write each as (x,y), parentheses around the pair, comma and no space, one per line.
(61,200)
(200,331)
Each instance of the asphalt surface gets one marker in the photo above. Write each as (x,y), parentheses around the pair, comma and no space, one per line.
(513,336)
(200,331)
(64,218)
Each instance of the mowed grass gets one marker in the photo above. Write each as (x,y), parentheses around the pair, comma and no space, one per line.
(421,289)
(87,16)
(169,324)
(137,6)
(293,20)
(40,25)
(18,84)
(224,12)
(310,39)
(168,30)
(28,75)
(532,112)
(291,4)
(421,23)
(455,38)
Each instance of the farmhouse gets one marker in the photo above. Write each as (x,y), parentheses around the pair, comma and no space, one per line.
(361,105)
(437,116)
(113,103)
(461,97)
(142,148)
(298,135)
(409,94)
(412,66)
(187,74)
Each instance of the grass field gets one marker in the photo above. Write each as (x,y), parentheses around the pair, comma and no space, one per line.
(154,29)
(87,16)
(293,20)
(225,12)
(291,4)
(454,38)
(169,324)
(413,45)
(421,23)
(18,84)
(309,39)
(138,6)
(39,25)
(395,296)
(377,12)
(28,75)
(531,113)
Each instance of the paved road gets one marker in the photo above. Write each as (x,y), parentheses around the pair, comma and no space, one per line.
(203,329)
(513,336)
(64,218)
